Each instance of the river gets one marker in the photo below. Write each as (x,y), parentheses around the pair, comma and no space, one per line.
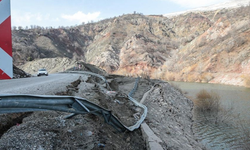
(221,135)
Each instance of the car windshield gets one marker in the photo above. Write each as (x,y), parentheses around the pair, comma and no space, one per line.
(42,69)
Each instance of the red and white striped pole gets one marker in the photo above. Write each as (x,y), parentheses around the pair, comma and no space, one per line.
(6,65)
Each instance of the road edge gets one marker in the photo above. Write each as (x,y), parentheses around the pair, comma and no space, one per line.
(152,141)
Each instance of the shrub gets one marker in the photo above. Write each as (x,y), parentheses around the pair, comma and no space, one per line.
(202,42)
(29,58)
(191,78)
(207,102)
(144,75)
(206,77)
(168,76)
(246,80)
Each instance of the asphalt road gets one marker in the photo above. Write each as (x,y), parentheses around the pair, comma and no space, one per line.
(43,85)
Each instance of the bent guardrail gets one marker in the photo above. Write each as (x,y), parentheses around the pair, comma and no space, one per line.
(75,105)
(145,110)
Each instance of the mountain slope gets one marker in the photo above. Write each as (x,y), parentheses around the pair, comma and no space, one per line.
(207,46)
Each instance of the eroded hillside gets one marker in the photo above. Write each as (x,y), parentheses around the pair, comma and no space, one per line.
(210,46)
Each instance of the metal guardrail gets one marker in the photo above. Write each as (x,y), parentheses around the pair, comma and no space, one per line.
(145,109)
(93,74)
(75,105)
(132,92)
(130,96)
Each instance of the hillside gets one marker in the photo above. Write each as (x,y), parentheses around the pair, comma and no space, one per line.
(207,46)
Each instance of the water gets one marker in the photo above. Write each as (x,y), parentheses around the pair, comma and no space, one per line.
(214,134)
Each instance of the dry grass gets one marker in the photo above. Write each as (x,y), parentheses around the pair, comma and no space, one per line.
(246,80)
(168,76)
(144,75)
(207,102)
(206,77)
(243,128)
(191,78)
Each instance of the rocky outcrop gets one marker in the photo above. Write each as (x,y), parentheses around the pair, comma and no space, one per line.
(19,73)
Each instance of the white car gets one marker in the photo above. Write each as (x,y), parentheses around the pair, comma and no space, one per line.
(42,72)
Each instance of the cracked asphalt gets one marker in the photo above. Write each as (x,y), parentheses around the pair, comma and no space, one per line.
(44,85)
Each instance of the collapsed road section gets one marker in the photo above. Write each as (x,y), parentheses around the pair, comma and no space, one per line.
(51,130)
(169,116)
(75,105)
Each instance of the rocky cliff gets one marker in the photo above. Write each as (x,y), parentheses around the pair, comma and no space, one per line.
(208,46)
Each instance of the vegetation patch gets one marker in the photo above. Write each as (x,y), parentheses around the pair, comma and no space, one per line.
(246,79)
(208,105)
(207,102)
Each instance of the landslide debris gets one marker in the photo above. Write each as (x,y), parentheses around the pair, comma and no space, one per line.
(19,73)
(49,131)
(116,100)
(9,120)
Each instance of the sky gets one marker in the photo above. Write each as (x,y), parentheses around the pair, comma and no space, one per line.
(55,13)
